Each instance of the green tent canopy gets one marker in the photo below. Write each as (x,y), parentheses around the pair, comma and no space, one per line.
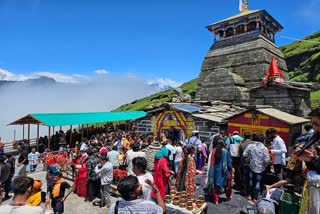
(63,119)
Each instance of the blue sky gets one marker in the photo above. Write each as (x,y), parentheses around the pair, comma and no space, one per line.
(150,39)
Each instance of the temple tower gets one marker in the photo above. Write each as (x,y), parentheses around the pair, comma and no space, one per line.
(240,56)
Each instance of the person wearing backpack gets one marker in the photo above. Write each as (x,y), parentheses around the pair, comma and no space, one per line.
(234,142)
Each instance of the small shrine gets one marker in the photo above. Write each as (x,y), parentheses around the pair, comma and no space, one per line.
(290,97)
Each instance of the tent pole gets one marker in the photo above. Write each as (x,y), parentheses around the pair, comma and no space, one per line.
(70,135)
(82,133)
(87,131)
(23,132)
(29,134)
(49,137)
(60,128)
(37,137)
(53,130)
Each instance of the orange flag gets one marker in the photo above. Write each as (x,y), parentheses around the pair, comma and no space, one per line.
(274,69)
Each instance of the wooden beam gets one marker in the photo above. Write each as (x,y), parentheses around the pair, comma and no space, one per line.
(37,137)
(70,135)
(49,137)
(29,134)
(23,132)
(81,133)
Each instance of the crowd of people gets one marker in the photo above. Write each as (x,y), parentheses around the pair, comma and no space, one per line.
(253,162)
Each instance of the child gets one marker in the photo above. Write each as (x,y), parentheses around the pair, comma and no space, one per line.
(58,193)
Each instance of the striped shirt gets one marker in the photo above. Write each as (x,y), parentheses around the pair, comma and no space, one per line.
(137,206)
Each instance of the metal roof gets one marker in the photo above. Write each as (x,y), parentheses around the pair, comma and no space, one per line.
(283,116)
(187,107)
(219,113)
(246,13)
(280,115)
(63,119)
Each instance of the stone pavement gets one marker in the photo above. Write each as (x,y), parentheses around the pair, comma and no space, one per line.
(75,204)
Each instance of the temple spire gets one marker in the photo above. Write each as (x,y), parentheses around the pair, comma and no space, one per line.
(246,4)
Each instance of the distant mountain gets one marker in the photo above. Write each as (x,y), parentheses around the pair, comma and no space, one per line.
(41,81)
(302,58)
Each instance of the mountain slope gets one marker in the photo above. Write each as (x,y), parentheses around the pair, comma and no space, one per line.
(161,97)
(302,58)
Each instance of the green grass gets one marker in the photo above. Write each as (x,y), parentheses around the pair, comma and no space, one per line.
(303,58)
(300,47)
(159,98)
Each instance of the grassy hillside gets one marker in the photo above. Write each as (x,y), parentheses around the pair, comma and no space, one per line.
(303,61)
(161,97)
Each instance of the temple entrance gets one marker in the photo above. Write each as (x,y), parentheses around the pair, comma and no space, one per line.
(175,134)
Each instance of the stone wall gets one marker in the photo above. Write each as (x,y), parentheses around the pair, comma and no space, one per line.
(144,125)
(289,99)
(231,67)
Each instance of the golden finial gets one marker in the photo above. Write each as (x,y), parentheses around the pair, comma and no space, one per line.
(246,4)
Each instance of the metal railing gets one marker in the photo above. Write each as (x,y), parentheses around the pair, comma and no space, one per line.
(9,146)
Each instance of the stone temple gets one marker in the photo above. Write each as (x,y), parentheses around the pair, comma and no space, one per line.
(239,57)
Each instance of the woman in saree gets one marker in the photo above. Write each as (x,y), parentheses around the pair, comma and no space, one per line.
(201,157)
(220,172)
(162,172)
(81,174)
(186,177)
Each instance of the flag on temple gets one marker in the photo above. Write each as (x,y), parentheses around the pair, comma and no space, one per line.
(241,6)
(274,69)
(273,72)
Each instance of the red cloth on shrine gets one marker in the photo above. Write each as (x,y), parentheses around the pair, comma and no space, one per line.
(160,176)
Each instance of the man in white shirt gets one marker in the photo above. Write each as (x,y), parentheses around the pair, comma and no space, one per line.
(172,153)
(139,168)
(195,141)
(178,156)
(279,150)
(105,171)
(135,152)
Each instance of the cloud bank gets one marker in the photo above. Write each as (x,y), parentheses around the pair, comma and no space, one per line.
(70,93)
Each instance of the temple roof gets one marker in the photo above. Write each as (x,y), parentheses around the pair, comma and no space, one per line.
(244,13)
(247,13)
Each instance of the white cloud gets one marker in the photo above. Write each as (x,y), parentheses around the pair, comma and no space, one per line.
(165,83)
(59,77)
(97,94)
(101,71)
(6,75)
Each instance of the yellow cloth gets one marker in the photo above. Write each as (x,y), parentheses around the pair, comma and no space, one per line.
(35,199)
(126,144)
(56,188)
(305,198)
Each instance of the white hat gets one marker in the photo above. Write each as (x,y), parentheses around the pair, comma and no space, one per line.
(195,131)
